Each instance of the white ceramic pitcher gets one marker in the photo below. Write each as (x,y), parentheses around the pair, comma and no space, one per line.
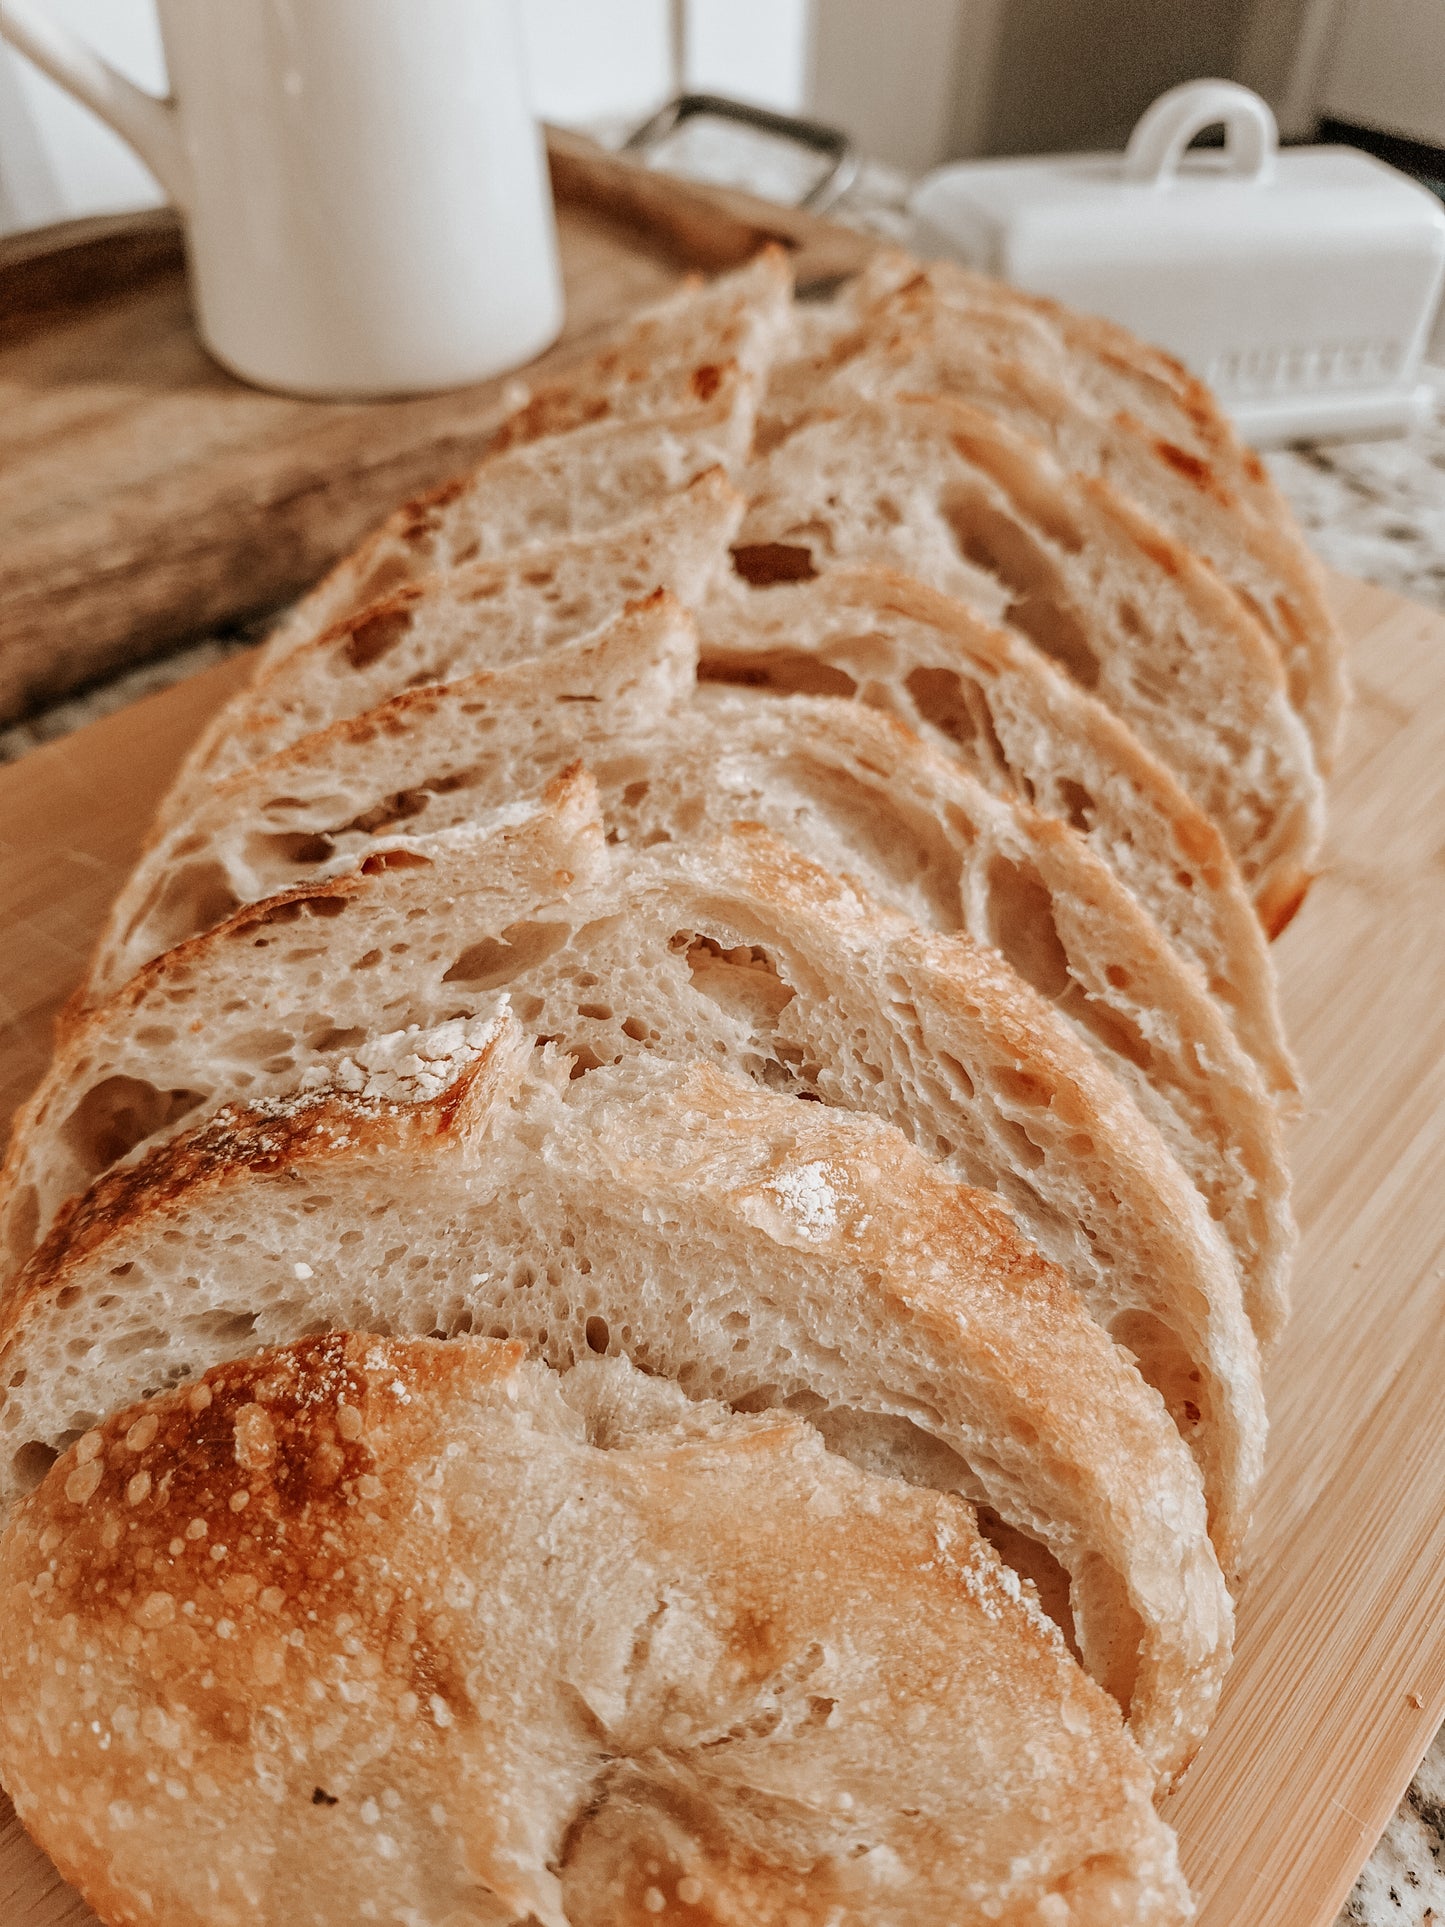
(363,183)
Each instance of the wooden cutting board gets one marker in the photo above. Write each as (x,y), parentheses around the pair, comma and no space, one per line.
(1339,1683)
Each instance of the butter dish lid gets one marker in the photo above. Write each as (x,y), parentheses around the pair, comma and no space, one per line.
(1306,272)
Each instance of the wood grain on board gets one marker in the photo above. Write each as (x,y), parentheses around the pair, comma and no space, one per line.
(146,495)
(1339,1683)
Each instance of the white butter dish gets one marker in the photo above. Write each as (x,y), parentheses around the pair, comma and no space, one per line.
(1300,284)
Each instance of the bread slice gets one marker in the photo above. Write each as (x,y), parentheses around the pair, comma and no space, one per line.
(946,332)
(185,881)
(948,494)
(748,1247)
(987,697)
(283,986)
(667,356)
(469,618)
(853,790)
(640,1656)
(540,491)
(741,951)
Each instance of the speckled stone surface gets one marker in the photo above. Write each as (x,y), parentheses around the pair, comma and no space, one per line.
(1375,509)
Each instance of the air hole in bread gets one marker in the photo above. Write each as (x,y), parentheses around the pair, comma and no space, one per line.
(399,807)
(328,1037)
(1021,923)
(1164,1360)
(283,853)
(1022,1087)
(1079,807)
(375,636)
(783,672)
(195,897)
(596,1333)
(1108,1026)
(1005,548)
(1033,1562)
(148,1338)
(743,981)
(382,860)
(598,1013)
(226,1327)
(1056,630)
(31,1462)
(765,564)
(116,1115)
(957,707)
(389,572)
(496,960)
(962,1082)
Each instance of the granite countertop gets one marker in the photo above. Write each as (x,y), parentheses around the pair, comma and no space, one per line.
(1374,509)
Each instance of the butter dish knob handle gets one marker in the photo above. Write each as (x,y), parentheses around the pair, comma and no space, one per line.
(1163,132)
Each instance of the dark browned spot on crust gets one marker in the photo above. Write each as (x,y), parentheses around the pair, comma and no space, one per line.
(1193,467)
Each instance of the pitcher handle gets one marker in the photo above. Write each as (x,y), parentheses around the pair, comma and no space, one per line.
(149,125)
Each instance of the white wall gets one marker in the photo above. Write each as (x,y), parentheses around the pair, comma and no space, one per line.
(56,159)
(892,73)
(1385,68)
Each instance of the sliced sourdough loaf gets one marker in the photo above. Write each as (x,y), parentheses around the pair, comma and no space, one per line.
(746,1246)
(537,492)
(948,494)
(578,1639)
(852,789)
(1011,361)
(990,698)
(741,951)
(473,617)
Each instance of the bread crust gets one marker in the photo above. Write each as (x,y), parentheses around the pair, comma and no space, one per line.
(308,1612)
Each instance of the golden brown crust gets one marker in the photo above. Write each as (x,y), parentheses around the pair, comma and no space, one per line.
(314,1688)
